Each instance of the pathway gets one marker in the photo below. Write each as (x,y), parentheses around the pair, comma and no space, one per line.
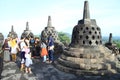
(43,71)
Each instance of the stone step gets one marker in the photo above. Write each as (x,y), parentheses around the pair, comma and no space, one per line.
(81,60)
(84,64)
(91,55)
(80,71)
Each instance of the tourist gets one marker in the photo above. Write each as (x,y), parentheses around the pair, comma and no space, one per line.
(37,48)
(22,47)
(44,52)
(14,49)
(32,46)
(6,49)
(50,48)
(27,41)
(28,60)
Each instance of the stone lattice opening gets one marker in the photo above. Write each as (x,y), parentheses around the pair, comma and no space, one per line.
(100,42)
(90,32)
(83,42)
(96,42)
(93,28)
(80,36)
(77,41)
(83,31)
(87,37)
(95,32)
(99,33)
(90,42)
(93,37)
(98,28)
(98,37)
(74,37)
(81,28)
(87,28)
(77,32)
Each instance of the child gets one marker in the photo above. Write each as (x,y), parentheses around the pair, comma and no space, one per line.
(28,61)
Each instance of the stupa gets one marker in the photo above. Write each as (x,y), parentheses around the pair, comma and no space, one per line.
(86,54)
(27,32)
(112,46)
(1,39)
(51,30)
(12,33)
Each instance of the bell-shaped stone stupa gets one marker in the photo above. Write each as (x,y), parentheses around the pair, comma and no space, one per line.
(51,30)
(12,34)
(86,54)
(1,39)
(27,32)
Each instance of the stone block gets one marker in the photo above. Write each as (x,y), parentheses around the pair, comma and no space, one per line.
(87,66)
(82,65)
(93,61)
(87,61)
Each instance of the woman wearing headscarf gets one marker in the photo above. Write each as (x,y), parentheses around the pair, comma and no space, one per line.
(6,49)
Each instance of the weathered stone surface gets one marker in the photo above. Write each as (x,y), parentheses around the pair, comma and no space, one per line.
(51,30)
(27,32)
(46,71)
(86,32)
(12,33)
(1,65)
(86,54)
(112,46)
(1,59)
(1,38)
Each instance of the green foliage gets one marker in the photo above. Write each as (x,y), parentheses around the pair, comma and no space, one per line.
(64,38)
(36,35)
(117,42)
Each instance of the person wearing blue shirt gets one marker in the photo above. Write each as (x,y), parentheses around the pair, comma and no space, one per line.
(50,48)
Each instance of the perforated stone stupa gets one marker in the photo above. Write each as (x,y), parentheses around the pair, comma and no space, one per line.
(1,39)
(49,30)
(27,32)
(12,33)
(86,54)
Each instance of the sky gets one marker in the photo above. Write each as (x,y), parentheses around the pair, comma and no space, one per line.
(64,14)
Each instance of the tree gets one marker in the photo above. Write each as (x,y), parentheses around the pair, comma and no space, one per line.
(117,42)
(64,38)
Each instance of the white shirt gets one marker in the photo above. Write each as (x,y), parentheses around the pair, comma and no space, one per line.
(22,45)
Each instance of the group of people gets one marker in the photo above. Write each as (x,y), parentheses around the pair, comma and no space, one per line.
(28,48)
(10,48)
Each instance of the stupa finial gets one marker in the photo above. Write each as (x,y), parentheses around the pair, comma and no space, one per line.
(12,30)
(86,13)
(49,24)
(27,25)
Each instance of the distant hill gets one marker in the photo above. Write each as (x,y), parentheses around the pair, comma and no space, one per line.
(113,38)
(106,38)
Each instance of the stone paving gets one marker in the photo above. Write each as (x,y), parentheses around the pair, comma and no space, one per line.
(40,71)
(44,71)
(11,71)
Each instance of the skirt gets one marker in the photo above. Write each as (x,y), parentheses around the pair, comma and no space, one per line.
(6,56)
(44,52)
